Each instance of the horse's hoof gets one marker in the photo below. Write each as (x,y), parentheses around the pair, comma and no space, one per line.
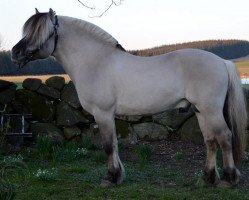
(106,183)
(231,176)
(211,176)
(224,184)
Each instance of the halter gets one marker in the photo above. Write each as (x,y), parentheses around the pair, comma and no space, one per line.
(56,25)
(30,54)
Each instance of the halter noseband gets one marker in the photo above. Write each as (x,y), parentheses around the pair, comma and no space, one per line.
(30,54)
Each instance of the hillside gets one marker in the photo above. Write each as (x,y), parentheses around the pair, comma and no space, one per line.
(228,49)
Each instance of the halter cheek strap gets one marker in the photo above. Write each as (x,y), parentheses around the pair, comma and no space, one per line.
(30,54)
(56,25)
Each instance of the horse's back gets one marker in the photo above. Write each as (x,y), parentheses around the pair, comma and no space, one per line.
(160,82)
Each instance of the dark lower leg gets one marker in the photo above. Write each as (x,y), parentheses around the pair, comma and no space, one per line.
(230,173)
(211,176)
(115,173)
(210,173)
(106,124)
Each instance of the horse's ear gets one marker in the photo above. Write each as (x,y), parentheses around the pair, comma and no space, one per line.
(51,14)
(36,11)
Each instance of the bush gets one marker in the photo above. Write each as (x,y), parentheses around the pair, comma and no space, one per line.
(144,153)
(45,146)
(99,156)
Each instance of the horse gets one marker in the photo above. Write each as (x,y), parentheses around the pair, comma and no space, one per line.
(110,81)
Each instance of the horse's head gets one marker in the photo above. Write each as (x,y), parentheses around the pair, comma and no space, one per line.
(39,38)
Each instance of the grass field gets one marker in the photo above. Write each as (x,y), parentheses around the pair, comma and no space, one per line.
(64,174)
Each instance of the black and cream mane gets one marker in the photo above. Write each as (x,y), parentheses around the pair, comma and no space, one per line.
(39,27)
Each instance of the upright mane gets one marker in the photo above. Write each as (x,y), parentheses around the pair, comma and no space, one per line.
(95,31)
(38,27)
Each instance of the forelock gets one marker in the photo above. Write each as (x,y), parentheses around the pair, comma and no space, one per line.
(37,29)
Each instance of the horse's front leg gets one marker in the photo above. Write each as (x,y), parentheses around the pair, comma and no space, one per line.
(115,174)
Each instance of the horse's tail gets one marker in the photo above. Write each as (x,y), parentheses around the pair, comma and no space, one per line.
(235,111)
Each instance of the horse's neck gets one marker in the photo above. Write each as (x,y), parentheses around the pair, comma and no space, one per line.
(77,51)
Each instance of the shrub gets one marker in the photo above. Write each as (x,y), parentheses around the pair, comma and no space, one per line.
(45,146)
(99,156)
(144,153)
(87,143)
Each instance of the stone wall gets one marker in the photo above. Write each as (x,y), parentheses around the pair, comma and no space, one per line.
(56,111)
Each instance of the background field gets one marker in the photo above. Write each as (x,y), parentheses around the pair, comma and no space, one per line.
(242,64)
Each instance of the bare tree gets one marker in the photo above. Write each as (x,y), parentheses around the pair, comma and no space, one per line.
(112,3)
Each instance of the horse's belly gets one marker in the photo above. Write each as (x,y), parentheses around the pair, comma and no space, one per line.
(148,104)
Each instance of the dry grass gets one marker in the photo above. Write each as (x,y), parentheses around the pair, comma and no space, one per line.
(243,67)
(19,79)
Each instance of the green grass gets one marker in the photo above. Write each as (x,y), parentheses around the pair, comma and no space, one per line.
(80,179)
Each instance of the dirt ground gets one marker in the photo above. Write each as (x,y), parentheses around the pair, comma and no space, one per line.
(189,158)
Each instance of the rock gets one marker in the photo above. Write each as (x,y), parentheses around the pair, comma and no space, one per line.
(2,107)
(88,116)
(247,142)
(149,130)
(70,95)
(5,85)
(92,133)
(47,129)
(49,92)
(134,118)
(190,131)
(246,94)
(146,118)
(56,82)
(31,84)
(32,103)
(172,118)
(124,132)
(122,128)
(7,91)
(68,116)
(71,132)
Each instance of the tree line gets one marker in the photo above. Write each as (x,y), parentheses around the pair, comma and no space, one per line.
(227,49)
(38,67)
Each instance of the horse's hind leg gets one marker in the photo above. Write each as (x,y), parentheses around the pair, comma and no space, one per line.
(214,129)
(106,123)
(231,174)
(211,174)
